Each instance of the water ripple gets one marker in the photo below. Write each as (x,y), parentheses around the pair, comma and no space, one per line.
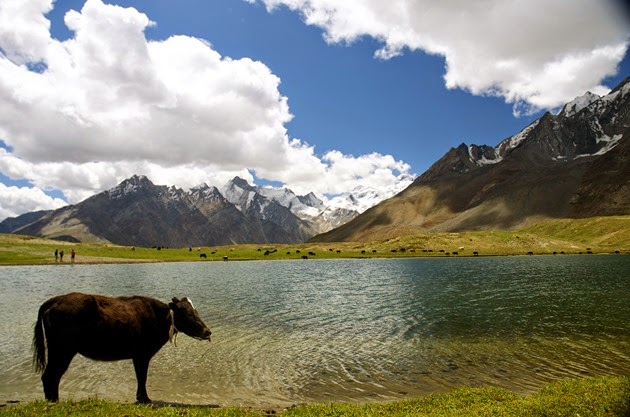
(350,330)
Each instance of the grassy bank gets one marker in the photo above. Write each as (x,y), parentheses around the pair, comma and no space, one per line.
(604,396)
(595,235)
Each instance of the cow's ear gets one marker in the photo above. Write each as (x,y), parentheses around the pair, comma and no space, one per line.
(176,300)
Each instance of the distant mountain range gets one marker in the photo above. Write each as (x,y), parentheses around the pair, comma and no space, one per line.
(138,212)
(574,164)
(571,165)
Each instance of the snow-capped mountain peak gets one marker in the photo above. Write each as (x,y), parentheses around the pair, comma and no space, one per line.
(363,197)
(205,192)
(239,192)
(324,215)
(579,103)
(129,186)
(311,200)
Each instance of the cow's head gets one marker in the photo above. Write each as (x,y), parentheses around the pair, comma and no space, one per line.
(187,320)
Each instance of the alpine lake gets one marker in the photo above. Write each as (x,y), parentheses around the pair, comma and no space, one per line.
(361,330)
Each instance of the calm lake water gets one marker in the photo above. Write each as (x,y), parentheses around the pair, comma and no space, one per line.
(288,332)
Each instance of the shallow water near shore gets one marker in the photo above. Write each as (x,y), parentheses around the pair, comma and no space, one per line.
(287,332)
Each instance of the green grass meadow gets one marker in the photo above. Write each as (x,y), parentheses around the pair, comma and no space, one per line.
(594,397)
(566,236)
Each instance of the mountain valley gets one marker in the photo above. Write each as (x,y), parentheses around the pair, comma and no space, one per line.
(572,165)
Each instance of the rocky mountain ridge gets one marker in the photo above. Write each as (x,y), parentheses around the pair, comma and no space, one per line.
(138,212)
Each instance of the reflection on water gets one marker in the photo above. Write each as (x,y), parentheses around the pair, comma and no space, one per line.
(342,330)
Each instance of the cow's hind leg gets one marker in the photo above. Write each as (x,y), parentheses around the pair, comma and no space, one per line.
(141,366)
(58,362)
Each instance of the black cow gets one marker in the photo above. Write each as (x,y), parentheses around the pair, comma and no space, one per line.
(108,329)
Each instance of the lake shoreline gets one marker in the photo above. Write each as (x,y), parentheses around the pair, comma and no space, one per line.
(599,235)
(101,260)
(593,396)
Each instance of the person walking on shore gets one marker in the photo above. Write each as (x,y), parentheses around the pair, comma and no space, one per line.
(72,255)
(61,256)
(56,255)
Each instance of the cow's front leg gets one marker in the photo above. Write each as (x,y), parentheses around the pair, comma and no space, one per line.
(141,365)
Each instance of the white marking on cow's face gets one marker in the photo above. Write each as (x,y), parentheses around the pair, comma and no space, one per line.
(190,302)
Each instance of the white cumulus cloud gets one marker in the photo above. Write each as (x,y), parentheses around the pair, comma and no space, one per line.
(536,54)
(82,114)
(17,200)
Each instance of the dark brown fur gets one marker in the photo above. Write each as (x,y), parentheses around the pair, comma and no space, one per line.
(107,329)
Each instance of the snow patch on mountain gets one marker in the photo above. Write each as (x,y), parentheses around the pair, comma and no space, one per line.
(619,93)
(579,103)
(204,192)
(585,106)
(128,186)
(362,197)
(514,141)
(301,206)
(484,155)
(608,143)
(238,192)
(324,214)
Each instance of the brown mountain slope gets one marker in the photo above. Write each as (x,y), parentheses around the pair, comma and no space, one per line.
(572,165)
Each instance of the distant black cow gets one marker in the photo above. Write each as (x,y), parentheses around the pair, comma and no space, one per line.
(312,253)
(203,255)
(108,329)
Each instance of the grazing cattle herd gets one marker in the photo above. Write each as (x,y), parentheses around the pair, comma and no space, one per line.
(286,252)
(398,251)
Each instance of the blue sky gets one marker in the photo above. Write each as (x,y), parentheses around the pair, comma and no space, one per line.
(298,93)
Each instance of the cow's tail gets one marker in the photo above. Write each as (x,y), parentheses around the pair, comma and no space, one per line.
(39,342)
